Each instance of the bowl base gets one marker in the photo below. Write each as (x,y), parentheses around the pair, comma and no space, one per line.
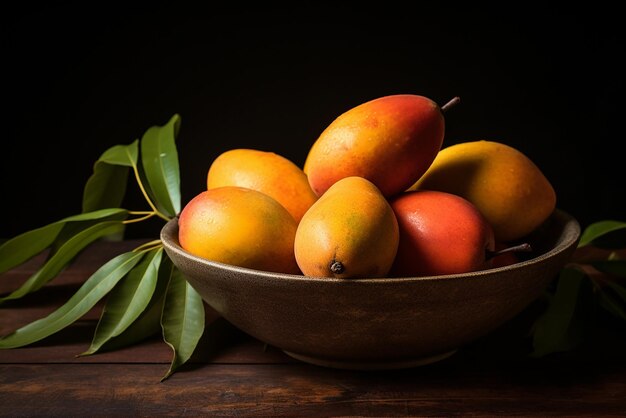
(375,365)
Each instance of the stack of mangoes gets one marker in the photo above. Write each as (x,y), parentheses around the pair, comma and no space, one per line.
(378,196)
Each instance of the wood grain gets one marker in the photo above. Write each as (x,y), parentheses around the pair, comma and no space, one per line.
(300,390)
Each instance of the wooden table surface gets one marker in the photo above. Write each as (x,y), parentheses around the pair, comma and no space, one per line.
(234,374)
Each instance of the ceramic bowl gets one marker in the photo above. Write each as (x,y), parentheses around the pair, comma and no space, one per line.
(376,323)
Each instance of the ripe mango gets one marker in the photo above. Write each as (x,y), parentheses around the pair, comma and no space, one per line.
(440,233)
(507,187)
(241,227)
(265,172)
(349,232)
(391,141)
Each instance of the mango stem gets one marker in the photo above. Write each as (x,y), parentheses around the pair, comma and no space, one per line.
(453,102)
(525,247)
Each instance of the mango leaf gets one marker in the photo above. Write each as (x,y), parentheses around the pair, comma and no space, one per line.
(618,289)
(612,267)
(107,185)
(127,300)
(561,327)
(63,256)
(609,304)
(604,234)
(124,155)
(105,188)
(25,246)
(94,289)
(149,321)
(614,299)
(71,229)
(160,164)
(182,320)
(28,244)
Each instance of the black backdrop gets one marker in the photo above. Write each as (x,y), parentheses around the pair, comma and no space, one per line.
(79,79)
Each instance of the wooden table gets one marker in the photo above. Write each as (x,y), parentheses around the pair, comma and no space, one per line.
(234,374)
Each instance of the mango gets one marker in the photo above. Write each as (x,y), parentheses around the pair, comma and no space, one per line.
(266,172)
(240,227)
(349,232)
(507,258)
(440,233)
(390,141)
(503,183)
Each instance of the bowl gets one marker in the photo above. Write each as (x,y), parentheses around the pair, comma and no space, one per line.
(383,323)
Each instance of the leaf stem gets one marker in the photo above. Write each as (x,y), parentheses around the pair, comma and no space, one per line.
(145,194)
(143,218)
(140,212)
(148,245)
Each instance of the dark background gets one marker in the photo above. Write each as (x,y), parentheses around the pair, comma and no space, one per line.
(79,79)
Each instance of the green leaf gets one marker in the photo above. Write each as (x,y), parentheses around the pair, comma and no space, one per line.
(125,155)
(127,300)
(561,326)
(160,164)
(605,234)
(618,289)
(615,267)
(149,321)
(83,221)
(94,289)
(182,320)
(609,301)
(100,214)
(107,185)
(63,256)
(28,244)
(25,246)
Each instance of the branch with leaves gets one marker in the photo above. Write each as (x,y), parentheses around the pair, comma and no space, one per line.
(594,280)
(147,294)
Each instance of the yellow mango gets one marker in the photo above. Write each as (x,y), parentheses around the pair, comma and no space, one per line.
(503,183)
(241,227)
(349,232)
(265,172)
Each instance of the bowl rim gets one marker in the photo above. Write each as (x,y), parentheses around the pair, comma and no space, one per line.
(171,244)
